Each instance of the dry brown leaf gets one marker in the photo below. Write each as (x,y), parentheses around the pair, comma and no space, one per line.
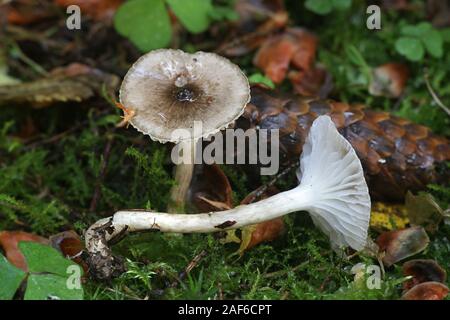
(9,241)
(70,245)
(73,83)
(427,291)
(401,244)
(264,231)
(296,46)
(423,270)
(274,57)
(210,189)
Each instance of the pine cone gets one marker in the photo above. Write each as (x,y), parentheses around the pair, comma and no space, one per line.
(397,155)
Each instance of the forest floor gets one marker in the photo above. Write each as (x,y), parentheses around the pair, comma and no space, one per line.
(63,166)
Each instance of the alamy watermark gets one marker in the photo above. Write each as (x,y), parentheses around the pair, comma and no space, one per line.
(374,20)
(73,21)
(231,146)
(368,275)
(73,281)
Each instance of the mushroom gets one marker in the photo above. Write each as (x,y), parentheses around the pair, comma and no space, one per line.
(332,189)
(167,90)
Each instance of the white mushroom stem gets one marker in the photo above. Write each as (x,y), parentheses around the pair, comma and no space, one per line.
(333,190)
(183,178)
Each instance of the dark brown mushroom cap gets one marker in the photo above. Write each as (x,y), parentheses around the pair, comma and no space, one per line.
(170,89)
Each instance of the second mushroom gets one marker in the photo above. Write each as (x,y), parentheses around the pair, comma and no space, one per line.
(170,91)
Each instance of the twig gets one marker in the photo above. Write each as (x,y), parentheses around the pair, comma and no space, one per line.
(194,262)
(262,189)
(434,95)
(191,265)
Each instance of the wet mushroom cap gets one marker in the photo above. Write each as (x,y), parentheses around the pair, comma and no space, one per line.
(170,89)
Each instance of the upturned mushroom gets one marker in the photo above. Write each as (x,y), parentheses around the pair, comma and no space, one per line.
(167,91)
(332,189)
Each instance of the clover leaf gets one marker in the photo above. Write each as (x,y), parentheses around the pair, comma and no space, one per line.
(193,14)
(10,279)
(50,275)
(418,39)
(410,47)
(146,23)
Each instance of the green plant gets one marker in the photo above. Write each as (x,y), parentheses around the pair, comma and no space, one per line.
(147,23)
(324,7)
(260,78)
(417,39)
(50,276)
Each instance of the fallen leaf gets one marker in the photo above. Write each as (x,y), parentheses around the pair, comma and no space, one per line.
(389,80)
(402,244)
(423,270)
(73,83)
(296,46)
(264,231)
(9,241)
(274,57)
(305,52)
(210,189)
(70,245)
(427,291)
(424,211)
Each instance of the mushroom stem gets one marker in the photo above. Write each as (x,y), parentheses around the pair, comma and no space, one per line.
(297,199)
(332,190)
(183,178)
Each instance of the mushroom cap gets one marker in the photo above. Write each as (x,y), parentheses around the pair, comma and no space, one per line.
(171,89)
(340,204)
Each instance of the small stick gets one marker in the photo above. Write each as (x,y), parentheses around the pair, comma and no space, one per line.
(256,195)
(434,95)
(192,264)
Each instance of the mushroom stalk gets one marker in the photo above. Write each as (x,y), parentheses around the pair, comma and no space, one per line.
(332,189)
(183,178)
(297,199)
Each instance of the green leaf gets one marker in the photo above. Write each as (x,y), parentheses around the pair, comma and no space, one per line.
(411,48)
(10,279)
(259,78)
(145,22)
(321,7)
(193,14)
(341,4)
(43,258)
(50,286)
(434,43)
(418,30)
